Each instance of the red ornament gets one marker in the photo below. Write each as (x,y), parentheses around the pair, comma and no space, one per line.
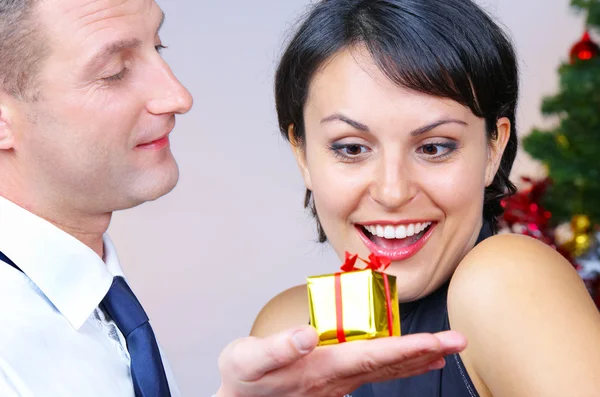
(524,214)
(524,207)
(585,49)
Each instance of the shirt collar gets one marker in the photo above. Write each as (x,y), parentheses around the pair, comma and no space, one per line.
(69,273)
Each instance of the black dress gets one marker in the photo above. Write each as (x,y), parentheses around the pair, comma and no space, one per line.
(428,314)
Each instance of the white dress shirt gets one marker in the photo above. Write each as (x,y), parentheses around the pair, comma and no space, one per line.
(54,339)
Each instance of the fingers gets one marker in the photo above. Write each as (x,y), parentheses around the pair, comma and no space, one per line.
(360,357)
(386,357)
(410,371)
(281,364)
(451,341)
(252,358)
(412,367)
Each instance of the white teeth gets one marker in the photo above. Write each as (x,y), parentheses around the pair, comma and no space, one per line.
(401,231)
(389,232)
(397,232)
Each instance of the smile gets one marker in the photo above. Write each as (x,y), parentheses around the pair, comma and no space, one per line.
(156,144)
(396,242)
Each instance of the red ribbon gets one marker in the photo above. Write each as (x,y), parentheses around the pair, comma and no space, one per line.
(388,304)
(339,312)
(375,263)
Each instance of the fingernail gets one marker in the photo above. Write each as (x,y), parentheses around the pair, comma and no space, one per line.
(304,340)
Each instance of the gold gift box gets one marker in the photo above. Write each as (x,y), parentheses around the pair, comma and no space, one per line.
(353,306)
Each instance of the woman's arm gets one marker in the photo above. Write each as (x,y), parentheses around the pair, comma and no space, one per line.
(287,310)
(532,328)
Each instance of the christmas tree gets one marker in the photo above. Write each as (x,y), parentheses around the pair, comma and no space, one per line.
(591,8)
(571,150)
(569,197)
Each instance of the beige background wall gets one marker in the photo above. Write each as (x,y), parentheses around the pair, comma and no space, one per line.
(205,258)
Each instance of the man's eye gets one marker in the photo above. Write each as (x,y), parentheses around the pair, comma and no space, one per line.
(116,77)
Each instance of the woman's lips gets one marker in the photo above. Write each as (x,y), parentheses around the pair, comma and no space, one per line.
(396,242)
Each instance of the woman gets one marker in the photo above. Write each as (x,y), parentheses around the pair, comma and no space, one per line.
(401,115)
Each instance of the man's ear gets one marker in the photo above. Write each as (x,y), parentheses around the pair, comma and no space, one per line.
(497,147)
(7,136)
(299,150)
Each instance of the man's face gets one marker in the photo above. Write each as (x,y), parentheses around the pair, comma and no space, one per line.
(96,140)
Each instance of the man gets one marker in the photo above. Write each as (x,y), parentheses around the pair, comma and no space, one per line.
(86,108)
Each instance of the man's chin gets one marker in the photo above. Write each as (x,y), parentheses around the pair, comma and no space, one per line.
(151,187)
(160,192)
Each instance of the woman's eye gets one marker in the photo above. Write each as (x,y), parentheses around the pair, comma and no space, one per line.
(430,149)
(348,151)
(437,150)
(353,150)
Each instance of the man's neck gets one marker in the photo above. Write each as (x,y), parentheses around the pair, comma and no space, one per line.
(86,228)
(89,232)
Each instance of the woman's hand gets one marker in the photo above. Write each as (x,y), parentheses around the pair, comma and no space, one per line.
(288,364)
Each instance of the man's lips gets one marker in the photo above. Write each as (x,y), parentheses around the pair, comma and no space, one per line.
(155,144)
(152,141)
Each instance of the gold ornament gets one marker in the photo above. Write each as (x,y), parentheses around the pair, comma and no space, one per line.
(562,141)
(581,224)
(582,239)
(546,168)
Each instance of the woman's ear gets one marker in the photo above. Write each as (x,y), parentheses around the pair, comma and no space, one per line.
(497,147)
(299,149)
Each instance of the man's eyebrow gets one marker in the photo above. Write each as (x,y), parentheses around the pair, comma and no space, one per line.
(162,21)
(111,49)
(118,46)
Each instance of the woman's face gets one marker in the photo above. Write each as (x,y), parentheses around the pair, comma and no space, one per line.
(395,172)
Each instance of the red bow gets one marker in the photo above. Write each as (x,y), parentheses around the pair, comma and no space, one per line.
(377,263)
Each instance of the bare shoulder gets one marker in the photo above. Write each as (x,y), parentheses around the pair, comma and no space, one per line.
(511,269)
(509,255)
(518,301)
(286,310)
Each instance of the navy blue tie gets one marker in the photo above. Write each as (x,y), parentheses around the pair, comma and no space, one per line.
(147,371)
(5,259)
